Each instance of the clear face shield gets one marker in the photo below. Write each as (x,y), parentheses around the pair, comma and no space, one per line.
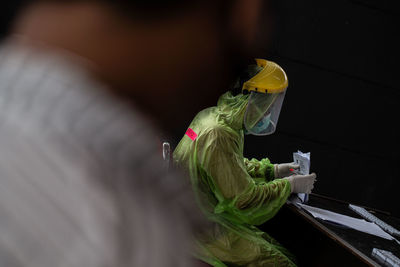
(262,112)
(267,90)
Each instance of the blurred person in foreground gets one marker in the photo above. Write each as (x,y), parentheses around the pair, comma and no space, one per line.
(85,87)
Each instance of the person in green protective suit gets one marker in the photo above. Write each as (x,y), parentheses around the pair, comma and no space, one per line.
(234,192)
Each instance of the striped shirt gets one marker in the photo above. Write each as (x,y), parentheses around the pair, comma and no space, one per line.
(81,177)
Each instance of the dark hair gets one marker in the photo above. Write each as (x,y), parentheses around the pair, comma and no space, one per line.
(148,9)
(8,11)
(245,75)
(138,9)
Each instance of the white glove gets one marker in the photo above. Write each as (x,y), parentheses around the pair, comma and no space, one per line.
(302,183)
(285,169)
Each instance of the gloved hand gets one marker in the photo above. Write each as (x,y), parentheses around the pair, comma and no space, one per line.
(302,183)
(285,169)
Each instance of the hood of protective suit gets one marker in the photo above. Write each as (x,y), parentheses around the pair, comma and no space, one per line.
(231,109)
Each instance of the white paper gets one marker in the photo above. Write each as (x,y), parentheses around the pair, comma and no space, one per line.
(357,224)
(303,159)
(303,197)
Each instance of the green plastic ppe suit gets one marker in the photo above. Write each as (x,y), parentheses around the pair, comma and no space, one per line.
(235,193)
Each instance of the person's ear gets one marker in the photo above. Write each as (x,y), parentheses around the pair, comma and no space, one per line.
(244,20)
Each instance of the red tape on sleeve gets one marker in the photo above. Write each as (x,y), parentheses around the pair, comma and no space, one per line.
(192,135)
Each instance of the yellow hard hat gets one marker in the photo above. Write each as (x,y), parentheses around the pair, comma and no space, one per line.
(271,79)
(267,91)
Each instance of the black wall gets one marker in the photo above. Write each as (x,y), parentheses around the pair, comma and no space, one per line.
(342,104)
(342,61)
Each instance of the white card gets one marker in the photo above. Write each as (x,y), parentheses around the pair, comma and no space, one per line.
(303,159)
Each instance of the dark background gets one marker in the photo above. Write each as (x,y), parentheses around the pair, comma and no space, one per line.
(341,58)
(342,104)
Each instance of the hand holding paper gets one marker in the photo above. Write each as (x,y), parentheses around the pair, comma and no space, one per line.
(302,183)
(304,161)
(285,169)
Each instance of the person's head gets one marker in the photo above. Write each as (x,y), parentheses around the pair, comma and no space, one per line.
(246,74)
(266,83)
(171,57)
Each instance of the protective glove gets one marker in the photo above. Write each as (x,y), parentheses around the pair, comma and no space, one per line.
(285,169)
(302,183)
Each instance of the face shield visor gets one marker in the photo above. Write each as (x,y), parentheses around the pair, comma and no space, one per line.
(262,112)
(267,91)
